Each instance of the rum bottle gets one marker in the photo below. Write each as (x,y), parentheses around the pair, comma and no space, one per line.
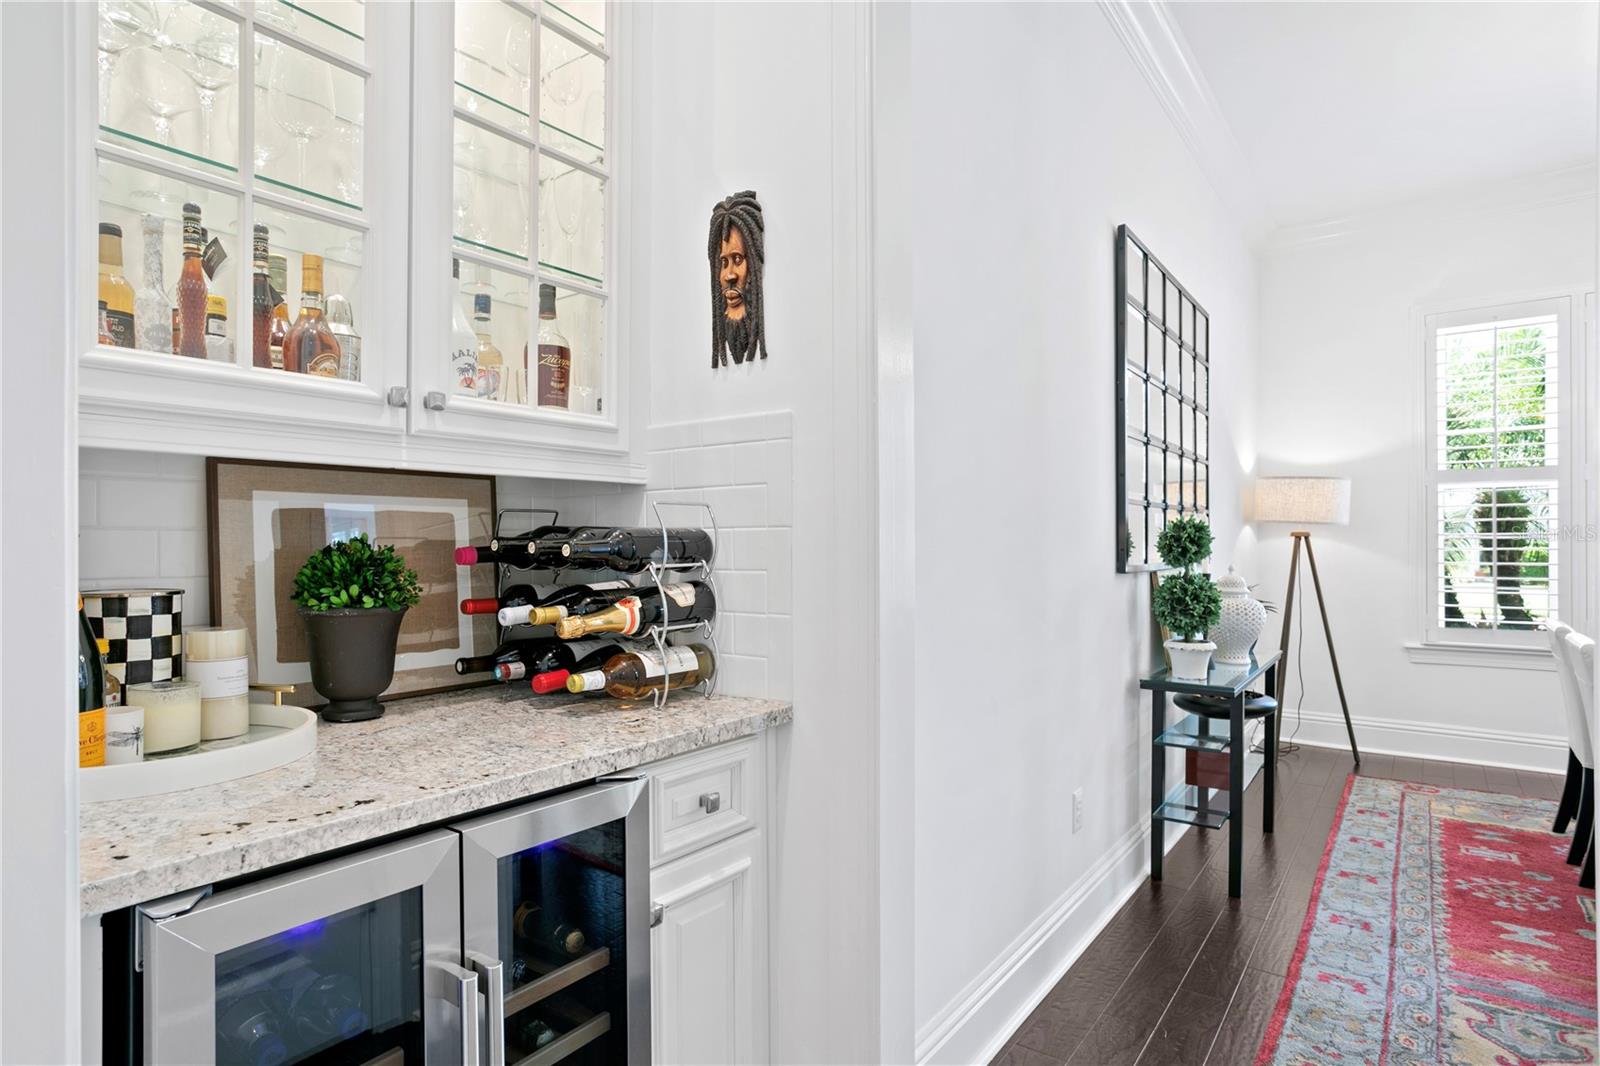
(635,674)
(311,347)
(192,289)
(261,303)
(555,355)
(116,295)
(491,371)
(684,602)
(463,343)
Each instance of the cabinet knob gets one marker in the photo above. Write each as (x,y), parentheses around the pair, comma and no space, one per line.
(399,396)
(434,401)
(711,802)
(657,912)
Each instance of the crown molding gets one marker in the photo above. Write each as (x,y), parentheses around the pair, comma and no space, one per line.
(1156,46)
(1523,193)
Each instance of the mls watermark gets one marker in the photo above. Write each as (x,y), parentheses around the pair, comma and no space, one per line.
(1585,533)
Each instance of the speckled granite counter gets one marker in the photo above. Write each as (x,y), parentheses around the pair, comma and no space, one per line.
(427,759)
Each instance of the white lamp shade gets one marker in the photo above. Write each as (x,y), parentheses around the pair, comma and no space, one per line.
(1307,500)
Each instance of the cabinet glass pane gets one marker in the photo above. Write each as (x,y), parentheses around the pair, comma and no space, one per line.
(563,940)
(141,219)
(343,255)
(309,125)
(491,192)
(572,98)
(494,63)
(572,206)
(346,988)
(585,19)
(1133,401)
(168,72)
(497,304)
(580,318)
(340,26)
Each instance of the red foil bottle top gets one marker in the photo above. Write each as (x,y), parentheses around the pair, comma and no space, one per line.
(550,681)
(486,605)
(466,556)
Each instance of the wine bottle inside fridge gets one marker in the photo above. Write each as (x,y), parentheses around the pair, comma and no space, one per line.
(636,674)
(630,550)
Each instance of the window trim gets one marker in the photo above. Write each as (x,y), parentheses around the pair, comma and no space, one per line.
(1495,647)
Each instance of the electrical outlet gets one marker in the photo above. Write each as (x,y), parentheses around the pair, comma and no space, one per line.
(1077,809)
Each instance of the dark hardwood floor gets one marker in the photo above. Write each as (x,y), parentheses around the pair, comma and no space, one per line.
(1182,975)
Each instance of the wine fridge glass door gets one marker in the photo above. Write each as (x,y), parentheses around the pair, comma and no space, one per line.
(342,963)
(556,921)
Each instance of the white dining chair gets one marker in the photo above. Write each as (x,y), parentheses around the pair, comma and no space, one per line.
(1580,661)
(1572,706)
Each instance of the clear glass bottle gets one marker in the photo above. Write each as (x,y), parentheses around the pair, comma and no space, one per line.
(311,347)
(116,295)
(342,322)
(555,354)
(491,375)
(463,342)
(152,308)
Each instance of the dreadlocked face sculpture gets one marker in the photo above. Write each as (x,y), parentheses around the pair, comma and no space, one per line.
(736,253)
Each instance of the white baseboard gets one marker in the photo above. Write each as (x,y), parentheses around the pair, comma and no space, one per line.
(974,1026)
(1432,740)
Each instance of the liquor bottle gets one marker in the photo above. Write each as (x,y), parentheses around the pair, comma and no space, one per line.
(342,323)
(528,924)
(261,303)
(217,264)
(558,659)
(556,680)
(278,282)
(152,308)
(310,347)
(555,355)
(191,337)
(533,1034)
(631,550)
(177,330)
(510,596)
(682,602)
(217,328)
(564,601)
(251,1031)
(91,696)
(525,649)
(115,292)
(463,342)
(102,327)
(491,372)
(113,687)
(636,674)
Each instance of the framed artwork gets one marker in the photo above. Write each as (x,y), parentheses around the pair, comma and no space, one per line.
(1163,370)
(266,518)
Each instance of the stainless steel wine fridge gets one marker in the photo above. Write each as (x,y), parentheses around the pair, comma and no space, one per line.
(519,937)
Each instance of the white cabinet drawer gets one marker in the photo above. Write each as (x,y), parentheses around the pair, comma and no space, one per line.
(702,798)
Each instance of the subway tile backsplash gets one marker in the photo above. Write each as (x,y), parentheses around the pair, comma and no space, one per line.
(142,522)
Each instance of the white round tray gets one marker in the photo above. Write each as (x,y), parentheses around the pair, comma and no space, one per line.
(278,735)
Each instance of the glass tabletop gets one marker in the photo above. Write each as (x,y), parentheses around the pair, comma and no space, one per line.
(1224,679)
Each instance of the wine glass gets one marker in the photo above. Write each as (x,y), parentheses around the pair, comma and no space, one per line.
(121,25)
(160,87)
(300,97)
(212,63)
(519,57)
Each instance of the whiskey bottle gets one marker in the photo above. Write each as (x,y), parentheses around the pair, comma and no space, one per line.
(556,680)
(558,659)
(278,282)
(152,308)
(115,293)
(342,322)
(463,343)
(191,339)
(684,602)
(261,304)
(217,327)
(631,550)
(636,674)
(564,601)
(555,355)
(311,347)
(491,372)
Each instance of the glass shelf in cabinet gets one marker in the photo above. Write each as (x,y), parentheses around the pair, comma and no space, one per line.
(490,193)
(342,251)
(572,205)
(339,26)
(491,109)
(494,63)
(309,128)
(583,19)
(572,91)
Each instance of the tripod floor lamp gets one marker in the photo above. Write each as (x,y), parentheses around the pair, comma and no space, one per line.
(1307,501)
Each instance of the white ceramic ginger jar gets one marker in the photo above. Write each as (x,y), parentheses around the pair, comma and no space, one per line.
(1243,618)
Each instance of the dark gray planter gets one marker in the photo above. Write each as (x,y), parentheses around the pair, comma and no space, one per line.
(352,659)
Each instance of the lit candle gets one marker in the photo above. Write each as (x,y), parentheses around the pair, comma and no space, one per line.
(171,714)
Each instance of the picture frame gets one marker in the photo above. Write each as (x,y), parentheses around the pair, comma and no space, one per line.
(266,517)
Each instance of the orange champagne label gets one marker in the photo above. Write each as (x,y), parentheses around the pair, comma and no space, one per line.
(92,738)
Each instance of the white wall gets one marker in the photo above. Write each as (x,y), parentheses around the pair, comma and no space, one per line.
(1340,387)
(1028,155)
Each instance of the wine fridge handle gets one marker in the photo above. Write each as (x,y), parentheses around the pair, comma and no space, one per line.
(492,973)
(466,982)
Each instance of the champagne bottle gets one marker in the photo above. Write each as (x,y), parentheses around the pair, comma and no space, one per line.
(558,658)
(563,601)
(556,680)
(91,696)
(631,550)
(524,650)
(636,674)
(688,601)
(510,596)
(511,550)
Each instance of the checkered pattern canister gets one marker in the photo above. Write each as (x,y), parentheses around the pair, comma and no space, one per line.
(144,628)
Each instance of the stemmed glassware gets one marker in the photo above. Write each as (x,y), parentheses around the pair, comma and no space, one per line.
(300,97)
(121,25)
(160,87)
(519,58)
(212,62)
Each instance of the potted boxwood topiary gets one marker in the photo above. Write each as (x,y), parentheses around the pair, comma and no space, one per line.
(1187,603)
(352,595)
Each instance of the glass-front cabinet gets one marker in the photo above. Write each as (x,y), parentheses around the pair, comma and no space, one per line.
(343,231)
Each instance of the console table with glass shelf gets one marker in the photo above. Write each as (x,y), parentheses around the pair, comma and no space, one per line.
(1220,732)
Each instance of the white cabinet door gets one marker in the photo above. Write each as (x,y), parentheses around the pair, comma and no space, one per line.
(708,955)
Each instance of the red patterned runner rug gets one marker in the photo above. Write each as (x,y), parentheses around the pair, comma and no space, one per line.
(1445,927)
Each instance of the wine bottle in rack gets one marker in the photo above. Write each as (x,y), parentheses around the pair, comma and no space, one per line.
(527,650)
(511,596)
(546,552)
(631,550)
(676,603)
(565,601)
(559,657)
(556,680)
(513,550)
(639,673)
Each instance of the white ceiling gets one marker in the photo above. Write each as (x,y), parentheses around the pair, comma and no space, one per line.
(1344,107)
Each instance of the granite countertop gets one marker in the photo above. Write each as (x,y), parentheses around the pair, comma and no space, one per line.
(429,758)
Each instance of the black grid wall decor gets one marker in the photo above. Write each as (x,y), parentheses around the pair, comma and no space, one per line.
(1163,404)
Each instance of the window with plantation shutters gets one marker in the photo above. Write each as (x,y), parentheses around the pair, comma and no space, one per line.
(1495,466)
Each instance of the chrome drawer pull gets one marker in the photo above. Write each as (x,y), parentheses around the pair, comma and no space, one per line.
(711,802)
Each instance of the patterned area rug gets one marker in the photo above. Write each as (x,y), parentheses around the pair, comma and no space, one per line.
(1446,927)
